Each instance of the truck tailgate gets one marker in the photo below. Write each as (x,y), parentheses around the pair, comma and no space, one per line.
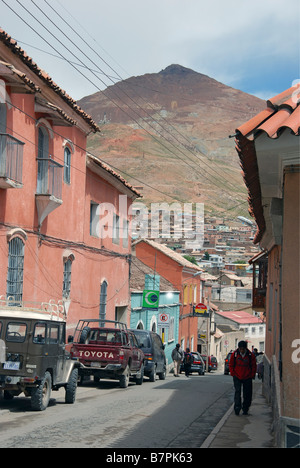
(98,355)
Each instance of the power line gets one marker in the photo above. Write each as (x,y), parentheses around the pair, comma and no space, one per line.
(168,149)
(93,84)
(119,88)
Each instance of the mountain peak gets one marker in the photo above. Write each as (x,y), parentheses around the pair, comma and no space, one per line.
(176,70)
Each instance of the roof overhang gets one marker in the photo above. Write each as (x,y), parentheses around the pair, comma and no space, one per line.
(268,145)
(108,174)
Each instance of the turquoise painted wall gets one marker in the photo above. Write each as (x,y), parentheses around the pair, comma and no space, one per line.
(148,318)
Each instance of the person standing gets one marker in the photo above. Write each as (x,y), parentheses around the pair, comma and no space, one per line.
(177,356)
(242,367)
(188,361)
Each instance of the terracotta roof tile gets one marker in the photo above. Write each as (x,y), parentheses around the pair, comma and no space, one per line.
(282,113)
(170,253)
(278,115)
(137,278)
(28,61)
(240,316)
(108,169)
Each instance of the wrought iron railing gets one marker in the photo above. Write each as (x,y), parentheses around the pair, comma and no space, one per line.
(11,157)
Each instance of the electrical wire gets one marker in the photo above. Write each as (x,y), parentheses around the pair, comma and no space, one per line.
(202,175)
(95,85)
(119,88)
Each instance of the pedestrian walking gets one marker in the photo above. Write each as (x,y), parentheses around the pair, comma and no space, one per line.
(188,361)
(242,367)
(177,357)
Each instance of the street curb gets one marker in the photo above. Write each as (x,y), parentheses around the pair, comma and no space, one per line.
(208,441)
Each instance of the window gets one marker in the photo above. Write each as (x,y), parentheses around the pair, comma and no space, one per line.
(0,328)
(94,219)
(116,229)
(43,157)
(2,117)
(125,233)
(171,336)
(15,270)
(67,278)
(16,332)
(53,334)
(67,166)
(39,335)
(185,294)
(103,299)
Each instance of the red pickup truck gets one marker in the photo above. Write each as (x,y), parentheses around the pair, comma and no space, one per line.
(107,349)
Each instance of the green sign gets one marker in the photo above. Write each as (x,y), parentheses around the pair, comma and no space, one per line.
(150,299)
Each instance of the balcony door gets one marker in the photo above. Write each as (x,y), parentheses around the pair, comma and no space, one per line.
(43,157)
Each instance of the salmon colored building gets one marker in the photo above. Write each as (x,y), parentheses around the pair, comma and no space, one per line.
(63,212)
(269,151)
(185,277)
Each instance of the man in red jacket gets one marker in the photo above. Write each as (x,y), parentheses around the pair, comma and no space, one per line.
(242,367)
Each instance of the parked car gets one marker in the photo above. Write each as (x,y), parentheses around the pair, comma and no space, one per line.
(198,364)
(226,363)
(153,348)
(33,356)
(212,362)
(107,350)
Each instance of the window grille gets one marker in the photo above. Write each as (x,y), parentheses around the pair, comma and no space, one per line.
(67,279)
(103,301)
(15,269)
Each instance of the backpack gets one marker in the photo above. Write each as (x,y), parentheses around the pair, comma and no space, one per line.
(188,358)
(248,353)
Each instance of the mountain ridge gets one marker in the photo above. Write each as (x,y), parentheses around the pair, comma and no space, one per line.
(171,126)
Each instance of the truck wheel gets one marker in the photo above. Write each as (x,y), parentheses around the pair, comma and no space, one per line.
(71,387)
(152,375)
(162,375)
(40,396)
(8,395)
(139,380)
(124,379)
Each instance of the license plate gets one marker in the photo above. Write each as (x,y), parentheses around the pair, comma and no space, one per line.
(11,365)
(95,364)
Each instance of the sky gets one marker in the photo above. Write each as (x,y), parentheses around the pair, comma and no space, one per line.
(252,45)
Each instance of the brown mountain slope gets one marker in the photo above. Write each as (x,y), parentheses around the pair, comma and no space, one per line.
(170,130)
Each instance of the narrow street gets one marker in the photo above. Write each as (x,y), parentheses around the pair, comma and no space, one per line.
(177,412)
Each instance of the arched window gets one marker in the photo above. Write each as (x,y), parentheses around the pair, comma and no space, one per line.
(15,271)
(67,279)
(103,300)
(67,165)
(43,156)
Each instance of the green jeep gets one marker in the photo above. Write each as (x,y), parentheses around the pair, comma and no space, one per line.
(33,356)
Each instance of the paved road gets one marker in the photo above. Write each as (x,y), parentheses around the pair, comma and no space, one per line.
(177,412)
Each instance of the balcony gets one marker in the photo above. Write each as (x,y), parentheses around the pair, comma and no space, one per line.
(49,187)
(11,162)
(260,275)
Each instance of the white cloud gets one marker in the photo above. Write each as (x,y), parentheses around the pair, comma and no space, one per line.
(222,39)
